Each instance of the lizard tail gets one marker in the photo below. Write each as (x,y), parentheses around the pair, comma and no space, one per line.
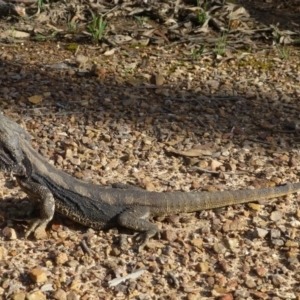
(195,201)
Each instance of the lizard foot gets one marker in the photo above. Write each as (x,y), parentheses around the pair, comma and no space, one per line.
(136,219)
(38,227)
(142,238)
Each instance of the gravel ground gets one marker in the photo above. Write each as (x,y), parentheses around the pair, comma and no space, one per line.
(162,117)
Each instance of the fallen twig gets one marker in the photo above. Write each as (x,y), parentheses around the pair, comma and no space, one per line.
(133,275)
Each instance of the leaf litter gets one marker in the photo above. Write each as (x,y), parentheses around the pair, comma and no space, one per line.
(214,91)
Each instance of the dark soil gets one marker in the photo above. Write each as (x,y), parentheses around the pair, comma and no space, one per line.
(284,14)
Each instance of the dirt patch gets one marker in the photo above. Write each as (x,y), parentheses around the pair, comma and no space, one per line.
(283,13)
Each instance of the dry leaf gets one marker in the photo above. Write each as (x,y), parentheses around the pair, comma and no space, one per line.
(134,275)
(120,39)
(190,153)
(35,99)
(12,33)
(174,142)
(159,79)
(109,52)
(215,164)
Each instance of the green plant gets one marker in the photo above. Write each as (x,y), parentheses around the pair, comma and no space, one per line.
(42,37)
(197,52)
(220,47)
(128,70)
(284,52)
(96,28)
(12,31)
(40,4)
(142,20)
(201,12)
(72,27)
(72,47)
(12,34)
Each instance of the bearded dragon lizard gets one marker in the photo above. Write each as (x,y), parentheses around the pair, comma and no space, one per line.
(101,207)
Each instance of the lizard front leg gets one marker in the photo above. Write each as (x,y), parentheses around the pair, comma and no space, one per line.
(44,197)
(136,218)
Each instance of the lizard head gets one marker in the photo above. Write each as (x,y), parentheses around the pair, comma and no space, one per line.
(11,154)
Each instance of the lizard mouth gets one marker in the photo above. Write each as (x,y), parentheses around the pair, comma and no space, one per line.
(7,163)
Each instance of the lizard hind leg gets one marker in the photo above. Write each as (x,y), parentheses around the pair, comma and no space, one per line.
(136,218)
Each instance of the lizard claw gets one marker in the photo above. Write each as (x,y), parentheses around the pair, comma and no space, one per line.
(142,238)
(38,228)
